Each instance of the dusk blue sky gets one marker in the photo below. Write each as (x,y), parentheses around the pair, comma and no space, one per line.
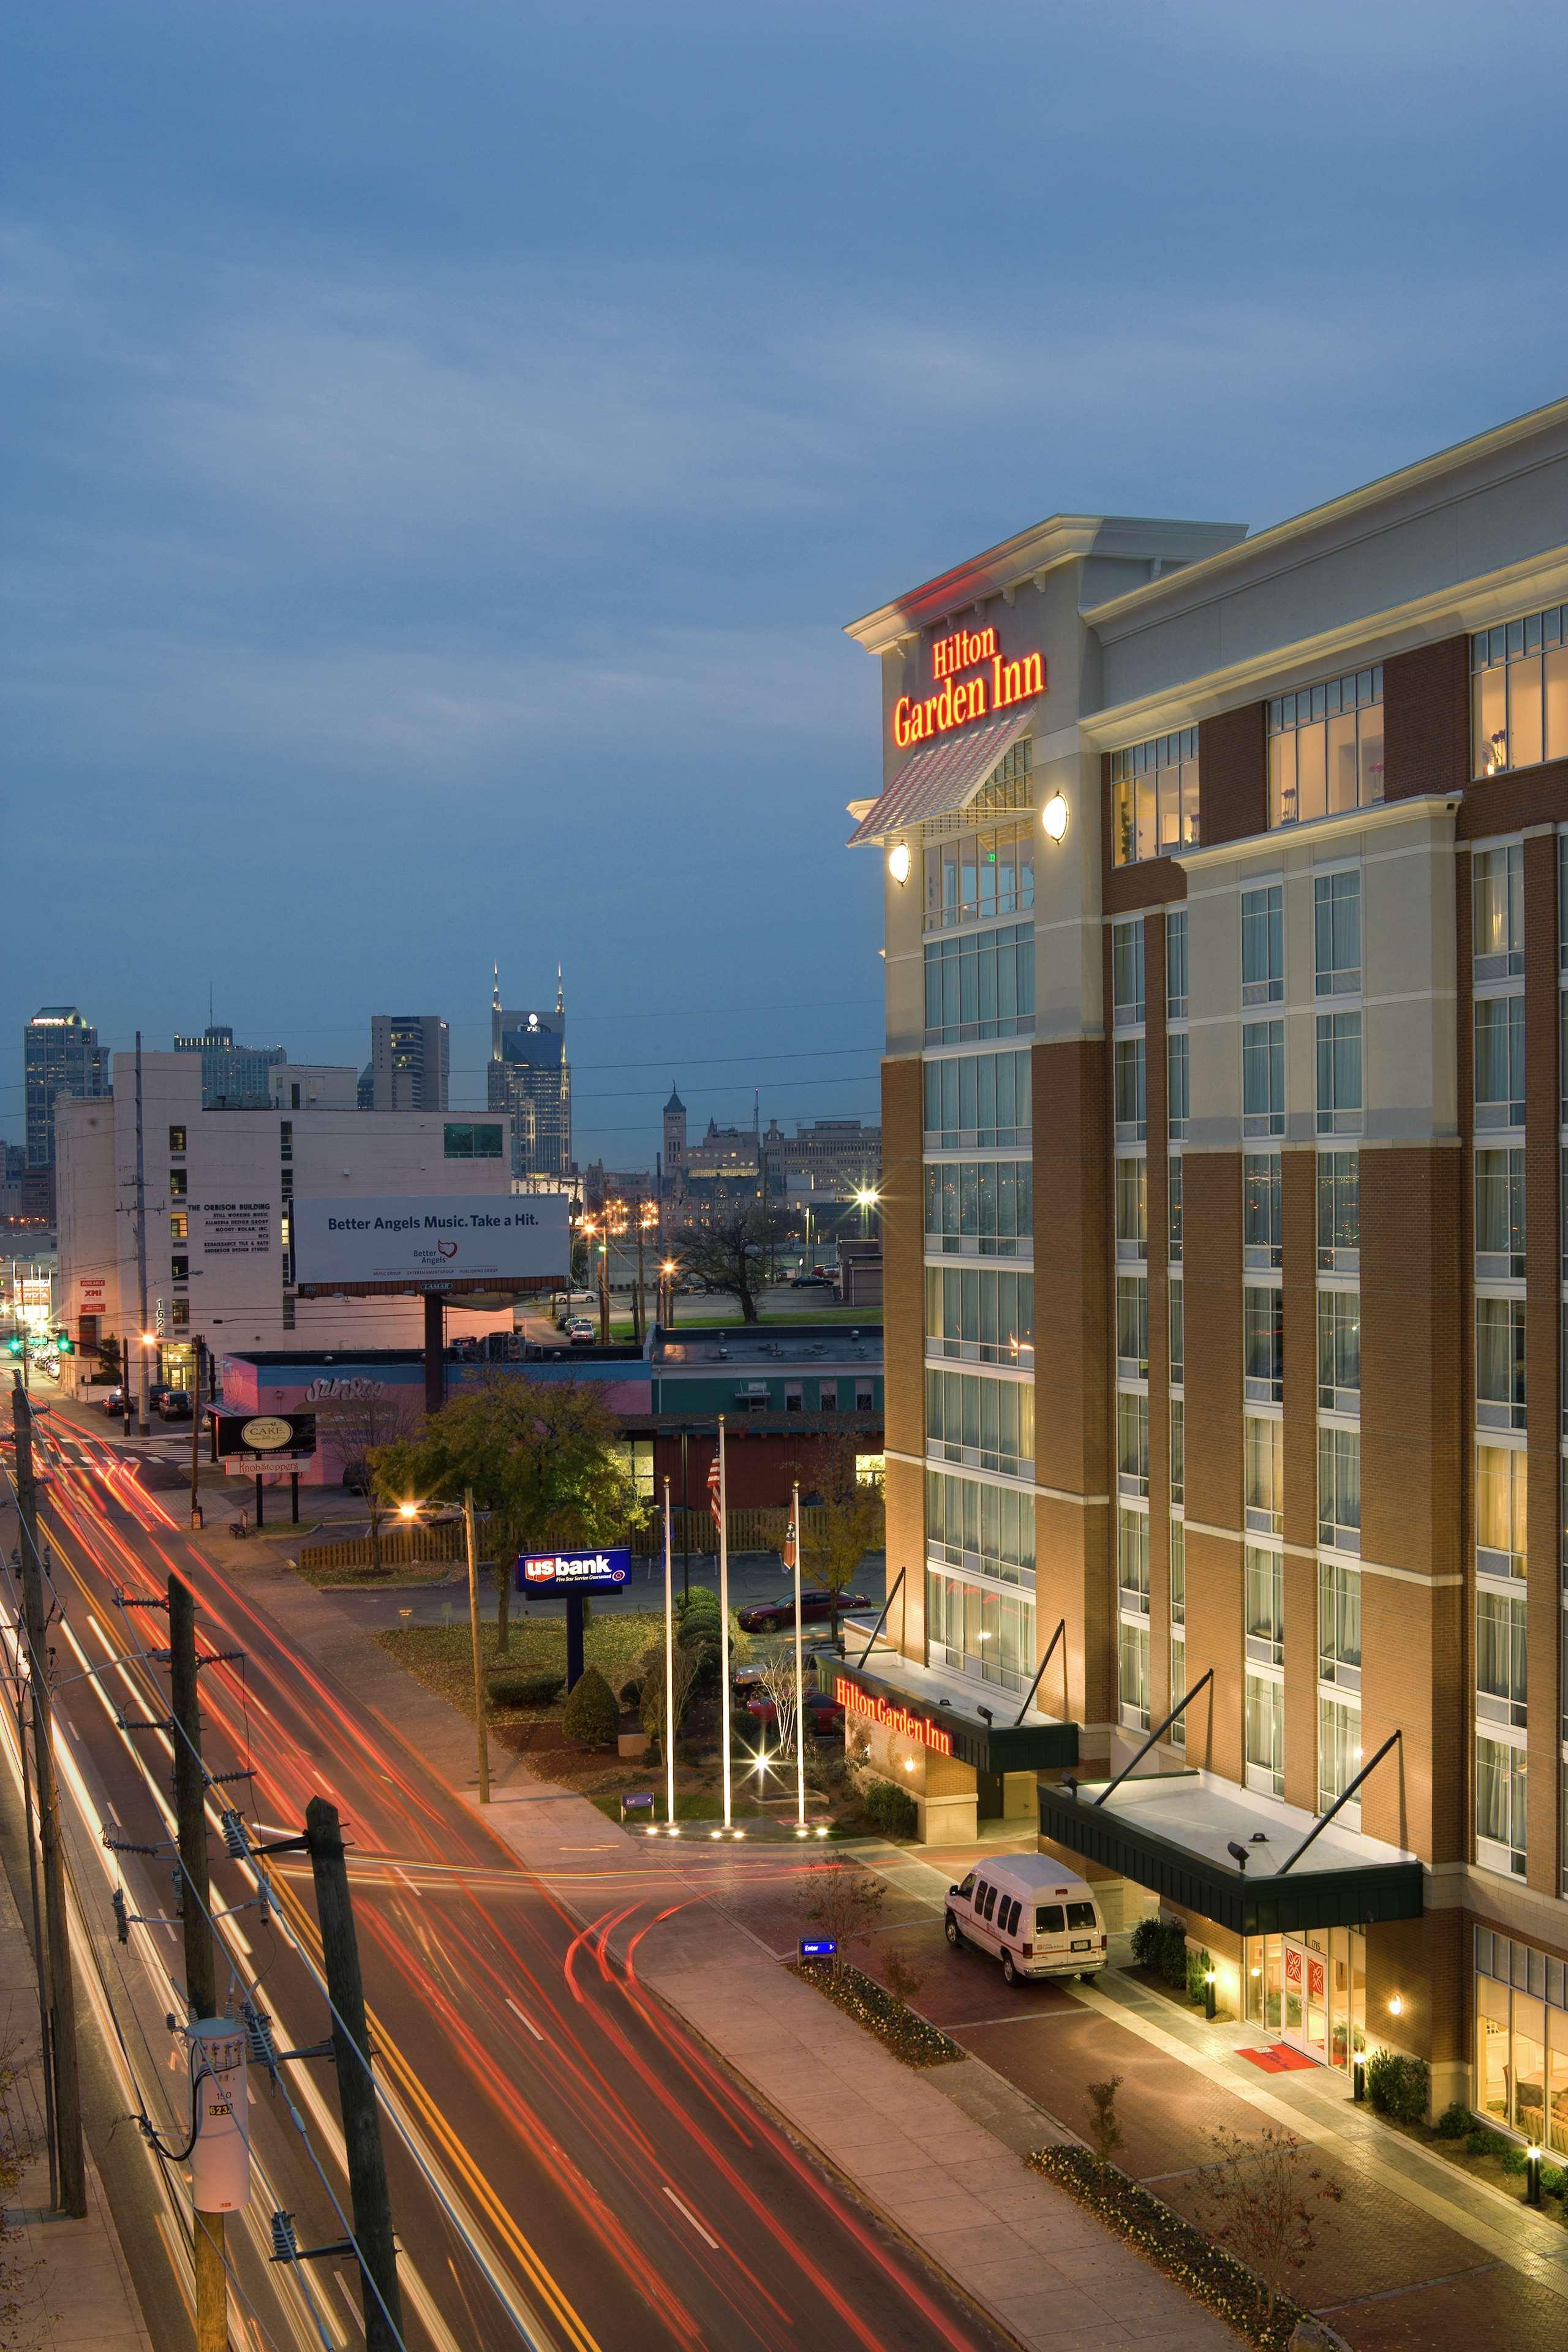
(443,444)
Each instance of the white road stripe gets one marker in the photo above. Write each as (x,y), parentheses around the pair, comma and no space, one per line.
(688,2213)
(526,2019)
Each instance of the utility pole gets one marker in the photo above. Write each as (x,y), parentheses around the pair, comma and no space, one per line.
(356,2089)
(472,1550)
(62,1989)
(196,1434)
(195,1910)
(141,1254)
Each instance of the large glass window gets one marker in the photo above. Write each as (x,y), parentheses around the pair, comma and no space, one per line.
(1499,1215)
(1264,1580)
(980,984)
(1154,797)
(1178,1451)
(1133,1326)
(1519,693)
(1521,2040)
(975,1629)
(1262,1208)
(1132,1112)
(1265,1476)
(1132,1562)
(971,876)
(1336,920)
(1339,1073)
(988,1425)
(1499,1364)
(1132,1210)
(985,1318)
(1262,1077)
(1338,1756)
(467,1141)
(1325,748)
(1126,972)
(1178,1326)
(1500,1061)
(1178,1535)
(1339,1488)
(977,1100)
(1263,945)
(1501,1671)
(988,1529)
(1501,1519)
(1263,1343)
(1132,1445)
(1497,884)
(1339,1212)
(1173,1207)
(1266,1734)
(1176,962)
(1132,1674)
(1339,1624)
(1338,1350)
(1178,1098)
(1502,1789)
(980,1208)
(1177,1735)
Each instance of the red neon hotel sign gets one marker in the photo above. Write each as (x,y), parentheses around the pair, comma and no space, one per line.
(892,1718)
(996,685)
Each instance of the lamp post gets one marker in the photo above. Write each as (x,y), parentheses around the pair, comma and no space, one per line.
(1209,2004)
(799,1682)
(668,1665)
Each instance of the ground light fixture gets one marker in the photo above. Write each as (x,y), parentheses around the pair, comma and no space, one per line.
(898,862)
(1533,2176)
(1358,2076)
(1054,816)
(1209,1975)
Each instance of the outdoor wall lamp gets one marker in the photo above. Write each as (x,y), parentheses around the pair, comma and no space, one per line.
(898,862)
(1395,2004)
(1054,815)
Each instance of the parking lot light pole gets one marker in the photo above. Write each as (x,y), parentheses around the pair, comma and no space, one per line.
(799,1681)
(669,1663)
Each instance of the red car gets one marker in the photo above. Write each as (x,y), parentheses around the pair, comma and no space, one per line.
(823,1713)
(778,1616)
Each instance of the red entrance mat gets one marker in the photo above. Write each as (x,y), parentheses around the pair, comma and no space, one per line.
(1279,2059)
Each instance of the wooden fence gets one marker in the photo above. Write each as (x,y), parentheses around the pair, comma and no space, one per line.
(400,1547)
(756,1530)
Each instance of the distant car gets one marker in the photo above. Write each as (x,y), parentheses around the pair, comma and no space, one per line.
(173,1404)
(114,1403)
(815,1603)
(581,1332)
(813,1277)
(823,1713)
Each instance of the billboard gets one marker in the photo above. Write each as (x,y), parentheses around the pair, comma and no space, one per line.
(270,1436)
(574,1571)
(432,1241)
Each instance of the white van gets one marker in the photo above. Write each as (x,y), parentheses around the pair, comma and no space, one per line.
(1039,1919)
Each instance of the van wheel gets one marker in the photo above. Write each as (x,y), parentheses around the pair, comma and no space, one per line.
(1009,1973)
(953,1936)
(1087,1976)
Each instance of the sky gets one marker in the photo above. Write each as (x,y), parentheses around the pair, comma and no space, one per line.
(441,446)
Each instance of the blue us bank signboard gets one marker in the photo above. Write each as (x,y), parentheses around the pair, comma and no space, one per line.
(573,1572)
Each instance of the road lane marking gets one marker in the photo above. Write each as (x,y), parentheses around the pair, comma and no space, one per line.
(349,2299)
(686,2210)
(407,1881)
(526,2019)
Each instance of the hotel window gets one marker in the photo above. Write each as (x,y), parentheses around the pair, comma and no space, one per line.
(1339,1073)
(1521,2040)
(1131,1444)
(1339,1212)
(1178,1534)
(1338,1350)
(980,1208)
(977,1101)
(1154,797)
(1501,1519)
(1262,1077)
(1339,1624)
(179,1269)
(1133,1326)
(1499,1364)
(1336,917)
(1178,1453)
(1263,1343)
(176,1139)
(1127,974)
(1263,945)
(1502,1789)
(179,1314)
(1339,1488)
(465,1141)
(988,1424)
(1173,1208)
(285,1140)
(1500,1670)
(984,1316)
(1325,748)
(179,1225)
(177,1183)
(980,986)
(1177,1735)
(1497,886)
(1264,1579)
(1132,1673)
(1132,1211)
(978,1631)
(1499,1215)
(971,877)
(1132,1562)
(1265,1472)
(1178,1334)
(1176,1090)
(1338,1756)
(1266,1735)
(988,1529)
(1131,1122)
(1262,1208)
(1519,693)
(1176,962)
(1500,1061)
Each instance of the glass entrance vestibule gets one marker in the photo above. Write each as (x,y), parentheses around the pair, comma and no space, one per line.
(1310,1988)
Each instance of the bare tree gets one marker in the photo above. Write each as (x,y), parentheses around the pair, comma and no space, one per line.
(358,1425)
(1104,2131)
(904,1975)
(850,1522)
(730,1254)
(779,1684)
(841,1900)
(1263,2199)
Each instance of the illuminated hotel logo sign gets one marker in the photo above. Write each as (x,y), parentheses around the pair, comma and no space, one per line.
(995,685)
(892,1718)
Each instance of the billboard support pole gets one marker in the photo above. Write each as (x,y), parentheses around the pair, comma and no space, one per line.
(434,1351)
(573,1640)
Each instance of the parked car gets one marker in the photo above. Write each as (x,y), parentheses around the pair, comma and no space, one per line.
(1037,1918)
(112,1402)
(581,1332)
(815,1603)
(824,1714)
(173,1404)
(812,1278)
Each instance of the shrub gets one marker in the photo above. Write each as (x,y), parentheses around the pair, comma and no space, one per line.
(908,2035)
(1160,1946)
(1552,2178)
(1148,1939)
(1513,2159)
(1455,2121)
(631,1692)
(1399,2086)
(1481,2142)
(591,1717)
(526,1689)
(1198,1965)
(890,1809)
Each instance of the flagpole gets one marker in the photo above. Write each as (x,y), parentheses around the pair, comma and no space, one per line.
(799,1683)
(669,1667)
(724,1611)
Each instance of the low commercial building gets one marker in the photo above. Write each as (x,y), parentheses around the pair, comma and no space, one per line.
(1227,938)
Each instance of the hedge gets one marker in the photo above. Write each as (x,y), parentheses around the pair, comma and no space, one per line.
(1399,2086)
(895,2024)
(890,1809)
(591,1717)
(526,1689)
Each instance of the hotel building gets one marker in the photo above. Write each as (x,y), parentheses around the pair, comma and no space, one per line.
(1225,1112)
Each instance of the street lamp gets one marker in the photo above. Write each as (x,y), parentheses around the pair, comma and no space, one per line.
(867,1199)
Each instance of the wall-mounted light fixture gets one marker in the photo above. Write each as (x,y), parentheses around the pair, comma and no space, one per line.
(1054,815)
(1396,2003)
(898,862)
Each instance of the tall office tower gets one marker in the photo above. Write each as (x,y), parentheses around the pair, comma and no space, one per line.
(234,1078)
(60,1056)
(530,1077)
(410,1061)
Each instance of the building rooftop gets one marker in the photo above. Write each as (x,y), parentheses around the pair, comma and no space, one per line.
(766,1344)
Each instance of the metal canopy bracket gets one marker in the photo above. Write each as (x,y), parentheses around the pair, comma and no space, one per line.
(1158,1733)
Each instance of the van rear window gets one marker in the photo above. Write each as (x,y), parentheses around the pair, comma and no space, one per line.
(1080,1915)
(1049,1920)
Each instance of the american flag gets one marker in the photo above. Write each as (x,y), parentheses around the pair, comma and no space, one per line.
(713,1491)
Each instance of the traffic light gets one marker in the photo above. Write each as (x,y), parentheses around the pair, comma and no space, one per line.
(64,1344)
(14,1344)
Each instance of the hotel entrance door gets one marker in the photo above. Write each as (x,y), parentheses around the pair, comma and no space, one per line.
(1310,1988)
(1306,1972)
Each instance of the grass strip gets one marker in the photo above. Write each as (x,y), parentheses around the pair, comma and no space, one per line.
(440,1657)
(895,2024)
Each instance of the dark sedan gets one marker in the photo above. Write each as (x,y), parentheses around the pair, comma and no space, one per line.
(816,1604)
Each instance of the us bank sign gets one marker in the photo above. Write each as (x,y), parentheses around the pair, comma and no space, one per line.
(976,679)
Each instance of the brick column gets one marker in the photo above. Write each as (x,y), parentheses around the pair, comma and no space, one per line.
(1212,1286)
(1543,1316)
(903,1329)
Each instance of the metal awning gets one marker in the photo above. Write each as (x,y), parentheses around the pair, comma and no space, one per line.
(1175,1831)
(943,776)
(941,1711)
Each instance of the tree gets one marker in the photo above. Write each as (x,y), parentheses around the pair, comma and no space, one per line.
(1263,2199)
(590,1718)
(109,1355)
(849,1523)
(841,1900)
(543,1457)
(360,1426)
(779,1684)
(730,1254)
(686,1660)
(1104,2131)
